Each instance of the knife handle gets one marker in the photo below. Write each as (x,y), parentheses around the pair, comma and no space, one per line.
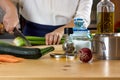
(2,30)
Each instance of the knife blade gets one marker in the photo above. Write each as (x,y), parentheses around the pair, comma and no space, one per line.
(17,33)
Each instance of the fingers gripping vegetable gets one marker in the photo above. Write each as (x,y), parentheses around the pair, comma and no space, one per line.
(28,53)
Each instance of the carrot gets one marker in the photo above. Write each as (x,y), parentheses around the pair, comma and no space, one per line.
(9,59)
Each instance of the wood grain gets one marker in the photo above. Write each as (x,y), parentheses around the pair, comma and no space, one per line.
(47,68)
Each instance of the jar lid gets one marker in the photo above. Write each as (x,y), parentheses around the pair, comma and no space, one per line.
(70,56)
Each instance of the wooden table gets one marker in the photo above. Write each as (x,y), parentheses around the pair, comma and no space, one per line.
(47,68)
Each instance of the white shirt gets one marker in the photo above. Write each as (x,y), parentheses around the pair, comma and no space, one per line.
(56,12)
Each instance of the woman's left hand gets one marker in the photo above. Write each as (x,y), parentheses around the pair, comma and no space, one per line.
(54,37)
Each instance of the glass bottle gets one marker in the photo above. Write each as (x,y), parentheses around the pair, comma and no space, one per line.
(105,17)
(81,35)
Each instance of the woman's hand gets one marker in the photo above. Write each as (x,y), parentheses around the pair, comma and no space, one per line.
(10,21)
(54,37)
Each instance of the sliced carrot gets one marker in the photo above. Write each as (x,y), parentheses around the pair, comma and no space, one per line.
(10,59)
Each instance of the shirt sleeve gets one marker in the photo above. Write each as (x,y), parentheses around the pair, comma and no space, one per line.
(84,11)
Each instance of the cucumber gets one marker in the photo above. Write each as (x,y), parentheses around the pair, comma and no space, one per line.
(34,40)
(27,53)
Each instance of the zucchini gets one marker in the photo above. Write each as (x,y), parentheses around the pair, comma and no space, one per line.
(34,40)
(34,43)
(27,53)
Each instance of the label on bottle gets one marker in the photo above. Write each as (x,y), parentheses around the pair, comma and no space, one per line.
(79,44)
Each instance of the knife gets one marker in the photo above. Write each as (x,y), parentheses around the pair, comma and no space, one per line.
(17,33)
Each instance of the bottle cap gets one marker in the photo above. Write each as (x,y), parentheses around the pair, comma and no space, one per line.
(68,31)
(79,22)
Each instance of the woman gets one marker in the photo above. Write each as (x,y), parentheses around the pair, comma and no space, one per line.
(48,18)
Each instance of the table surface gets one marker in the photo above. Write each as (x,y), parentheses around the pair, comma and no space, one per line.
(47,68)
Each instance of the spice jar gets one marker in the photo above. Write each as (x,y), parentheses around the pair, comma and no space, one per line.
(68,45)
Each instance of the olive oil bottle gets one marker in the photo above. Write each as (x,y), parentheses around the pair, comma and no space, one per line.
(105,17)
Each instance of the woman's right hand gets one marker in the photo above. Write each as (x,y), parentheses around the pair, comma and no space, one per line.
(10,21)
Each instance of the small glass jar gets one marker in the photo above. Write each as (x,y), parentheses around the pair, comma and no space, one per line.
(68,45)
